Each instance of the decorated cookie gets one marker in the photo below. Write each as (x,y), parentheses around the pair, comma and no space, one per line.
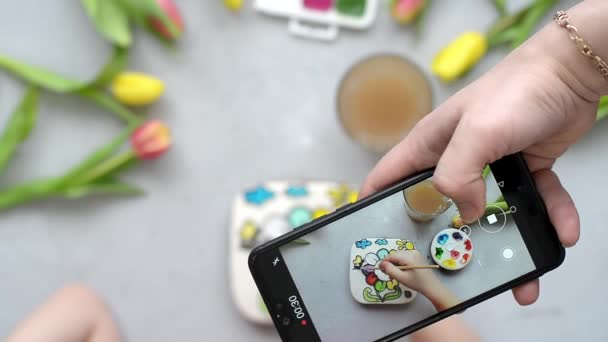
(452,249)
(369,285)
(265,212)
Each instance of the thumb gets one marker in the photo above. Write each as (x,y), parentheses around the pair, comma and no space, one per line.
(459,171)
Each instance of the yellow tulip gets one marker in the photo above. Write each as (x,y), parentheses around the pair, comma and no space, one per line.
(137,89)
(459,56)
(233,5)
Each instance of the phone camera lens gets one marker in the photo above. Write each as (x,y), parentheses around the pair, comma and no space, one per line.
(286,321)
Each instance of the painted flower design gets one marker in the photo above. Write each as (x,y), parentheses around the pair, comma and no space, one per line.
(405,245)
(378,281)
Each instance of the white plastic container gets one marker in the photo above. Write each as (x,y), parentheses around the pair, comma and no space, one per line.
(314,24)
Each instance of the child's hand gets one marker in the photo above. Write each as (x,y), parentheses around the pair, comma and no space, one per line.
(418,280)
(421,280)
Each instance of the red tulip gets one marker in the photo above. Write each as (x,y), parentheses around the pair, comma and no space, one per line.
(175,27)
(405,11)
(151,140)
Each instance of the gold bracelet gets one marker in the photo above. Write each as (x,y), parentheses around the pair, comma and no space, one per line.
(561,18)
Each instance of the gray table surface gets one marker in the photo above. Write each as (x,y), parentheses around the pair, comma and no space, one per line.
(246,102)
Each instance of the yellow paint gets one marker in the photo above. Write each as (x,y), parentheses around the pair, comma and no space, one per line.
(392,284)
(320,212)
(343,194)
(248,231)
(450,263)
(358,260)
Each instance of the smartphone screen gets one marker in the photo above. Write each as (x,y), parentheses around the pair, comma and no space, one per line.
(349,300)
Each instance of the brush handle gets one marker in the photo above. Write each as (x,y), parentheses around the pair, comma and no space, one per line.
(406,268)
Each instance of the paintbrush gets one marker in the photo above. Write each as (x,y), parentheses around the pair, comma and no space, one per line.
(406,268)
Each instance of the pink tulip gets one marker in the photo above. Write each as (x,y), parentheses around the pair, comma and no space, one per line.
(151,140)
(172,14)
(404,11)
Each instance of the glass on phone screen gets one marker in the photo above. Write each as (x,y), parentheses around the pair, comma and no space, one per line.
(349,299)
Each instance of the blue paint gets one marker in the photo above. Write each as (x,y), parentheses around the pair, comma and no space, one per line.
(258,195)
(381,242)
(442,239)
(363,244)
(382,253)
(299,216)
(297,191)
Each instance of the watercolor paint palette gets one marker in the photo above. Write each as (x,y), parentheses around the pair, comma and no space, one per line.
(321,19)
(266,211)
(372,286)
(452,249)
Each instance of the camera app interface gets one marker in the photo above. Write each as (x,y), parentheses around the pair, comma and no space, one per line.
(443,261)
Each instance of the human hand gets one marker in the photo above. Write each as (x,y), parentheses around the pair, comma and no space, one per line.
(540,100)
(420,280)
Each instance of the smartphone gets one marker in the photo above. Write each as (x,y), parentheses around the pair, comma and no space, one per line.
(319,282)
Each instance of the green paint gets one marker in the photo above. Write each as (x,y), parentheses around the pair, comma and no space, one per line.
(369,297)
(354,8)
(438,252)
(393,295)
(380,285)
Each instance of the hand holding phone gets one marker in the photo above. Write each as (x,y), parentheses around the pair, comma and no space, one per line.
(306,287)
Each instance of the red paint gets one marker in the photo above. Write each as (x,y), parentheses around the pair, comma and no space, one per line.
(371,279)
(468,245)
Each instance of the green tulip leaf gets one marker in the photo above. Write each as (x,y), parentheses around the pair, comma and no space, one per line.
(501,6)
(536,12)
(105,187)
(486,171)
(38,76)
(97,157)
(19,126)
(31,191)
(111,20)
(104,100)
(602,110)
(56,83)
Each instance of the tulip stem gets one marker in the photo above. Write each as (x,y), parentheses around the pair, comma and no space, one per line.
(105,168)
(108,103)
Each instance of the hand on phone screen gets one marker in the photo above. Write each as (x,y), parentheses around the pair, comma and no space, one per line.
(423,281)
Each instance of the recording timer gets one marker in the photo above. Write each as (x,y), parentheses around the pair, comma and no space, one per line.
(297,309)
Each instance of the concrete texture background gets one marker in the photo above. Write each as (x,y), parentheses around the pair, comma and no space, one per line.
(246,102)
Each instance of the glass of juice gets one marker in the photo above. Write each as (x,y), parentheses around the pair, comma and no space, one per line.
(381,98)
(424,202)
